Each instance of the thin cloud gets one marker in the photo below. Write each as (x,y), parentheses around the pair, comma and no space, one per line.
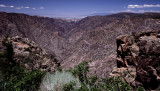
(2,5)
(112,11)
(93,11)
(127,10)
(41,8)
(144,6)
(11,6)
(136,11)
(27,7)
(20,7)
(142,11)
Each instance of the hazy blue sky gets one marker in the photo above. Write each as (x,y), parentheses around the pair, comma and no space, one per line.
(78,8)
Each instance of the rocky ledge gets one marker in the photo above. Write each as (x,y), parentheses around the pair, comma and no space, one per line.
(138,59)
(29,55)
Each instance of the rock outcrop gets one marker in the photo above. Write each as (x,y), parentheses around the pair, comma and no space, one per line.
(127,50)
(29,55)
(139,53)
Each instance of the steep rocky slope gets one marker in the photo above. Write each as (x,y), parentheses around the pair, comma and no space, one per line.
(138,59)
(29,55)
(92,38)
(97,42)
(47,32)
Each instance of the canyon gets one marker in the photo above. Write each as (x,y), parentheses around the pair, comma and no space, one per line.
(92,38)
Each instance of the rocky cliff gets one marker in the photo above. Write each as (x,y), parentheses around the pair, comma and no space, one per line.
(46,32)
(92,38)
(29,55)
(138,59)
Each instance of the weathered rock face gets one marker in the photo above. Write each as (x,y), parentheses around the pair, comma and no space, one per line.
(127,50)
(148,71)
(140,51)
(128,74)
(29,55)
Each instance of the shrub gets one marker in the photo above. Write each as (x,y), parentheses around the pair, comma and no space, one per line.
(93,83)
(9,49)
(80,71)
(139,88)
(1,82)
(16,78)
(69,86)
(23,80)
(115,84)
(55,82)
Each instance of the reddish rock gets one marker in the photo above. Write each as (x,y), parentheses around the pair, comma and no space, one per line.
(141,50)
(148,62)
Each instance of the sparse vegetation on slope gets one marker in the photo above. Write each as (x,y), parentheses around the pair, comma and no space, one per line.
(13,77)
(93,83)
(79,81)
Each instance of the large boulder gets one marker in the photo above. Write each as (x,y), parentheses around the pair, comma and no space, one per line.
(128,74)
(127,50)
(139,53)
(149,62)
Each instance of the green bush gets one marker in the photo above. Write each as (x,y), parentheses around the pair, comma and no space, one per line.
(1,81)
(93,83)
(115,84)
(70,86)
(80,71)
(23,80)
(16,78)
(139,88)
(9,49)
(12,76)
